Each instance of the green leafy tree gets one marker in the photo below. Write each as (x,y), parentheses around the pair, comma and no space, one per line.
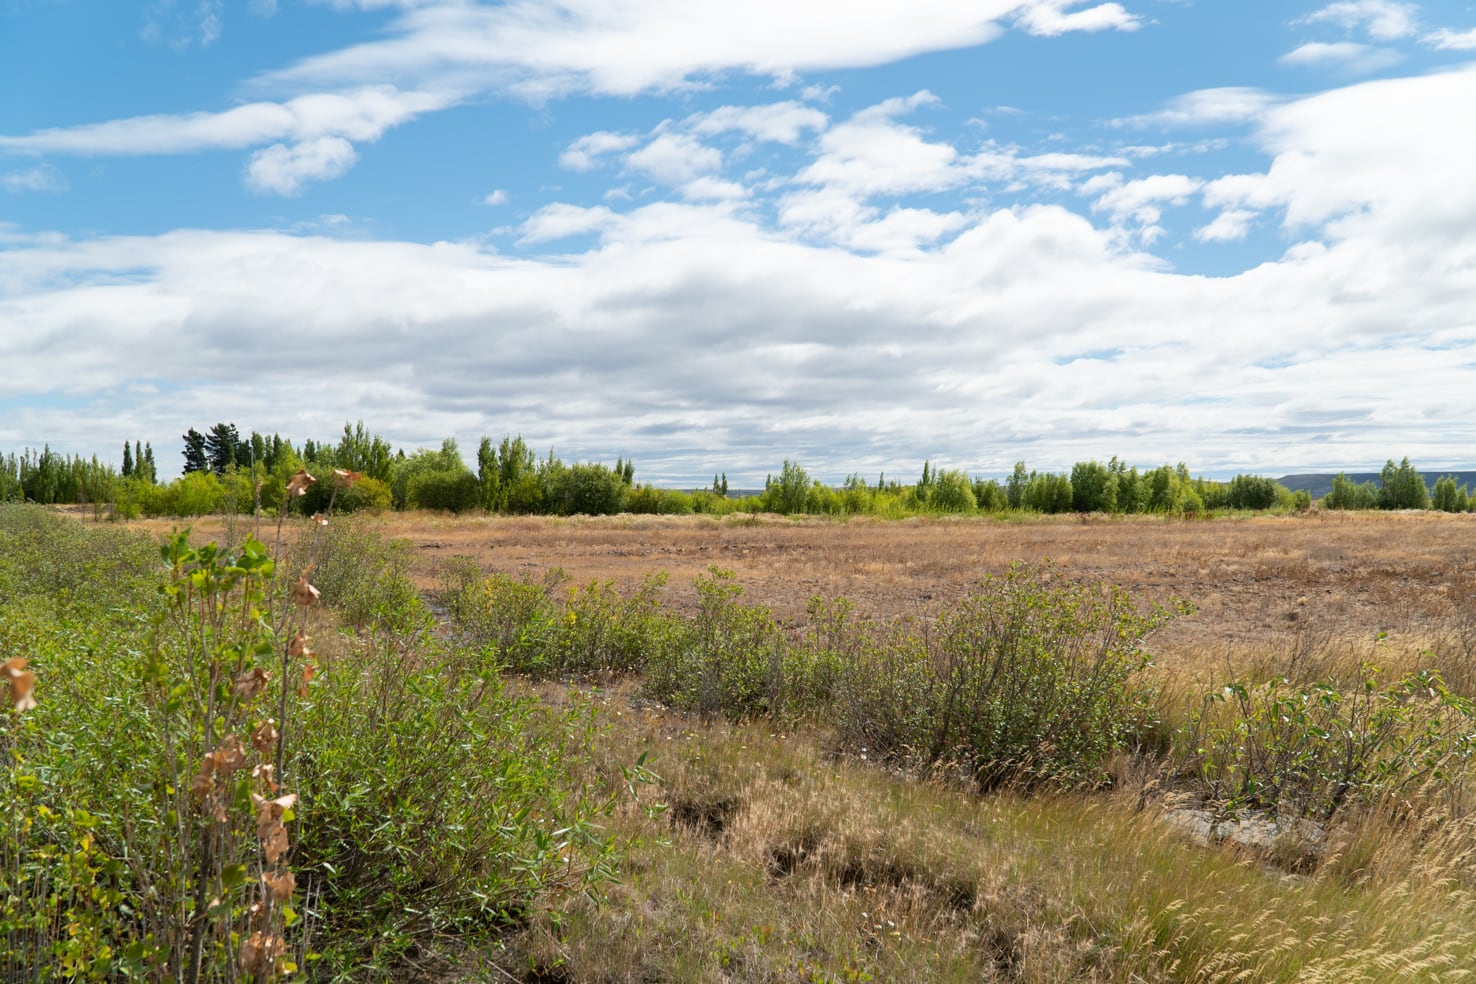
(952,492)
(1093,488)
(1450,497)
(1348,494)
(1015,486)
(1402,487)
(368,454)
(791,492)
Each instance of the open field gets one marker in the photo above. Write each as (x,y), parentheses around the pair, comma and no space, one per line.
(1254,582)
(772,845)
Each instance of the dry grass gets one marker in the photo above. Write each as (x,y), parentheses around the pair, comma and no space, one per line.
(777,860)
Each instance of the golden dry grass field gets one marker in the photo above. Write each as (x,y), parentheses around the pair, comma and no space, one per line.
(1256,583)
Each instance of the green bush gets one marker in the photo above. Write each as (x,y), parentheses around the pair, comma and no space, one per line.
(1028,680)
(1307,750)
(732,659)
(431,803)
(952,492)
(454,490)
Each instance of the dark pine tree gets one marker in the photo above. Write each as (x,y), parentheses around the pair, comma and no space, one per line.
(194,451)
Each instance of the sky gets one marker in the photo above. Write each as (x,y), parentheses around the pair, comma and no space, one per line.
(710,236)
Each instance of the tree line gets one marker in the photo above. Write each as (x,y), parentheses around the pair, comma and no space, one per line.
(225,470)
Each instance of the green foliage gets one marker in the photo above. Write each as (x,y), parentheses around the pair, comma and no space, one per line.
(1348,494)
(790,493)
(1254,492)
(669,502)
(1402,487)
(1450,497)
(1308,750)
(989,496)
(435,480)
(730,660)
(1028,680)
(585,489)
(1093,488)
(433,804)
(1047,493)
(952,492)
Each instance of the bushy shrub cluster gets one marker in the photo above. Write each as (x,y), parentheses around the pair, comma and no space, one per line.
(189,800)
(1028,679)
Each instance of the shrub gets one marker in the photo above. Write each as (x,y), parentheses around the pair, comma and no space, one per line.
(1027,680)
(454,490)
(1306,750)
(730,660)
(952,492)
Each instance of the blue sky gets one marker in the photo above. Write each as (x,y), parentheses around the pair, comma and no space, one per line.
(711,236)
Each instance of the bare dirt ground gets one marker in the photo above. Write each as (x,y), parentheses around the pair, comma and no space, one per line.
(1254,582)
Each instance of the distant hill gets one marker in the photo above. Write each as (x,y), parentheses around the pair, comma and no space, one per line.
(1320,485)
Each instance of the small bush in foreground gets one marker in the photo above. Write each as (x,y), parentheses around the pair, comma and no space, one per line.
(1029,679)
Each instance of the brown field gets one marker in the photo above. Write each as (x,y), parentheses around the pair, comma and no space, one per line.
(1255,583)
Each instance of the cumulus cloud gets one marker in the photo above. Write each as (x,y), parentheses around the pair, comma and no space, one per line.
(1049,18)
(586,153)
(283,170)
(497,196)
(1140,203)
(1231,225)
(783,123)
(675,158)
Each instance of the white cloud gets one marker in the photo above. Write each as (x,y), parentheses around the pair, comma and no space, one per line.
(1049,18)
(1231,225)
(1139,200)
(1346,56)
(559,221)
(585,153)
(42,177)
(675,158)
(1448,40)
(360,115)
(496,197)
(872,154)
(713,189)
(1379,156)
(1227,104)
(1383,20)
(783,122)
(546,48)
(283,170)
(262,8)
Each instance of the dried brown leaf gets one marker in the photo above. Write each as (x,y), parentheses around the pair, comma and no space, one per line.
(304,593)
(22,683)
(298,484)
(251,683)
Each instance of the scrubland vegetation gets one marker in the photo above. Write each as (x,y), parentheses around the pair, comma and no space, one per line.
(549,780)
